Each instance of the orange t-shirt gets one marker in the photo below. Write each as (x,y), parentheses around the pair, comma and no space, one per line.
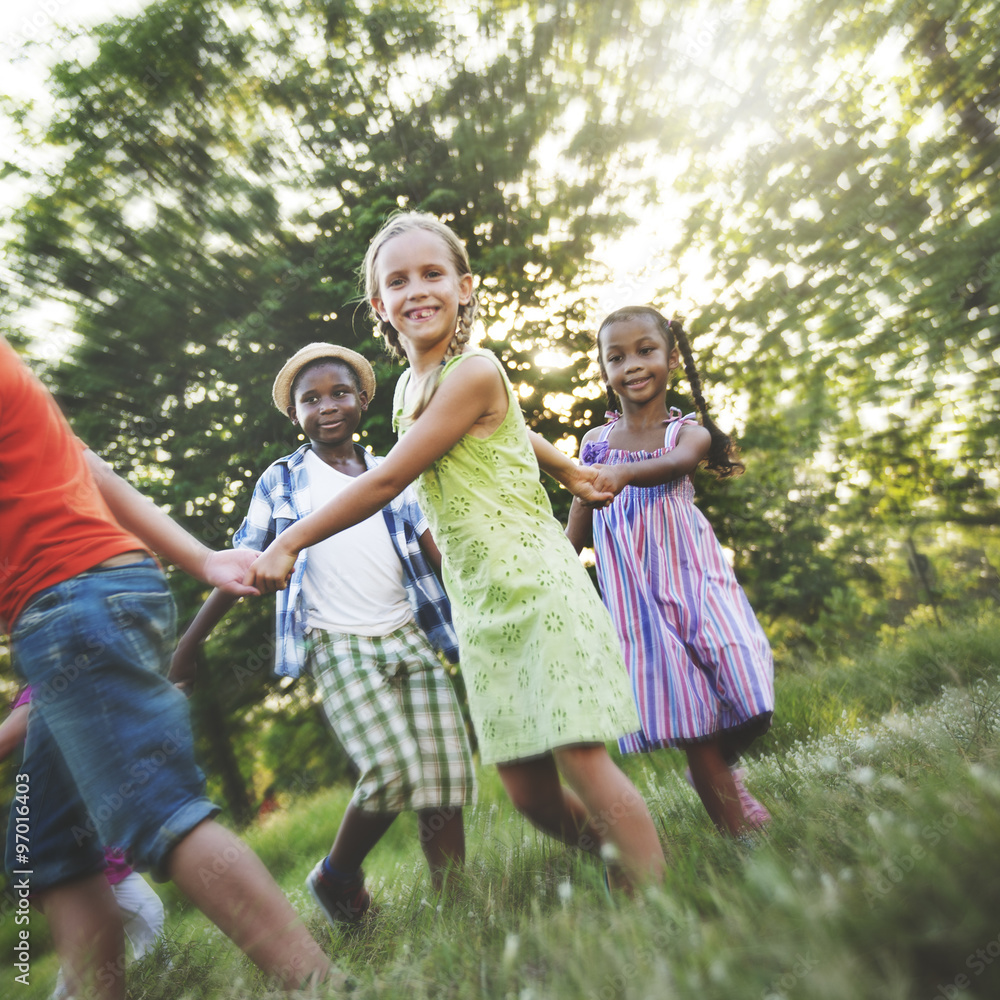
(54,524)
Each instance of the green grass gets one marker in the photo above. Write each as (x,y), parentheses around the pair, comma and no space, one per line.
(878,878)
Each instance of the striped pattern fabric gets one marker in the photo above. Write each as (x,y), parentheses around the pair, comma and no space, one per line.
(393,708)
(699,662)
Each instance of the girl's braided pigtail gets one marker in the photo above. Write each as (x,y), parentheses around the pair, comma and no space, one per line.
(612,397)
(722,458)
(392,345)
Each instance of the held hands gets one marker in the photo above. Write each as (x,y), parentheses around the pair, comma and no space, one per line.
(272,570)
(591,485)
(610,479)
(227,570)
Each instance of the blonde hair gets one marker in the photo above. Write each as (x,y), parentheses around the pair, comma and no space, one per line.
(396,225)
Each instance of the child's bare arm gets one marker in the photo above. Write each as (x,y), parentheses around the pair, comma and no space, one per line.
(184,663)
(580,527)
(692,446)
(13,730)
(431,552)
(163,535)
(583,481)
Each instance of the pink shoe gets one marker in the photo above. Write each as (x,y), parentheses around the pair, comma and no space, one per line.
(754,812)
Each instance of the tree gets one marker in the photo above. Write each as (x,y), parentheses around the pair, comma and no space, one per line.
(851,219)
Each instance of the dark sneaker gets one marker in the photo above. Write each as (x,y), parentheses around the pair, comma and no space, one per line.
(341,902)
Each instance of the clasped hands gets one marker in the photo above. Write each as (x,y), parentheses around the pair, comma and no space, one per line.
(597,485)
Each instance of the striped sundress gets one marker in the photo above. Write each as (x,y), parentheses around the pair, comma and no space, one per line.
(699,662)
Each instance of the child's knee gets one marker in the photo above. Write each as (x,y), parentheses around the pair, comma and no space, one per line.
(533,802)
(431,822)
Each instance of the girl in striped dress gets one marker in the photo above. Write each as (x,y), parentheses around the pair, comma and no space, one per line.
(700,665)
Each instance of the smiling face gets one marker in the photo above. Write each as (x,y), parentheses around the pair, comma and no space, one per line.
(327,403)
(635,359)
(419,291)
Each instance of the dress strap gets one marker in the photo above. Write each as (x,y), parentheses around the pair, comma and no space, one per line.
(612,417)
(673,424)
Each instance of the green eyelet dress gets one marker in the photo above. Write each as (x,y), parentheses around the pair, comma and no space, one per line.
(539,653)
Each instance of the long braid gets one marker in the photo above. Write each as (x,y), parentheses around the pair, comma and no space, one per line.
(391,338)
(721,453)
(612,398)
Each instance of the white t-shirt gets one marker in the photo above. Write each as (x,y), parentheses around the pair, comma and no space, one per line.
(354,580)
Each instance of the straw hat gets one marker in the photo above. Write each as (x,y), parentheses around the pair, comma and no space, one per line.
(282,393)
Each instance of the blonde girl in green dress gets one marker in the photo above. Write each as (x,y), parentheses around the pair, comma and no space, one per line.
(545,679)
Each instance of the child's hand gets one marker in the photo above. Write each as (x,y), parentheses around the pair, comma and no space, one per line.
(227,570)
(610,479)
(586,484)
(183,668)
(272,570)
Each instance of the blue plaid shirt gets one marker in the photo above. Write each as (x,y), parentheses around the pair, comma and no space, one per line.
(280,498)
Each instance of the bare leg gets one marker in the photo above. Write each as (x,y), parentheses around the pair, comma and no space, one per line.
(713,781)
(86,928)
(618,811)
(225,879)
(537,793)
(359,832)
(442,837)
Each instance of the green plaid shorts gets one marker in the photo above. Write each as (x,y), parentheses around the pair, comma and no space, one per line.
(392,706)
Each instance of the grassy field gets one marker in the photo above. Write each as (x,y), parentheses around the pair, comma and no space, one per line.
(878,878)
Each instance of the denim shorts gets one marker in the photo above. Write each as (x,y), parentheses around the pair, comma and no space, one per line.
(109,757)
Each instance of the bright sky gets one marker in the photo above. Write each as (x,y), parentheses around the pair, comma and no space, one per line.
(23,22)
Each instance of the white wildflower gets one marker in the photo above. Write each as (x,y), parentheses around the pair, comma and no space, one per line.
(892,783)
(510,948)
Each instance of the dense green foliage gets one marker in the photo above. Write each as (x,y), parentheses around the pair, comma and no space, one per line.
(877,878)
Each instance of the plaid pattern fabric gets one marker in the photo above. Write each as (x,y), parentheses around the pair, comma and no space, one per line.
(393,708)
(281,497)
